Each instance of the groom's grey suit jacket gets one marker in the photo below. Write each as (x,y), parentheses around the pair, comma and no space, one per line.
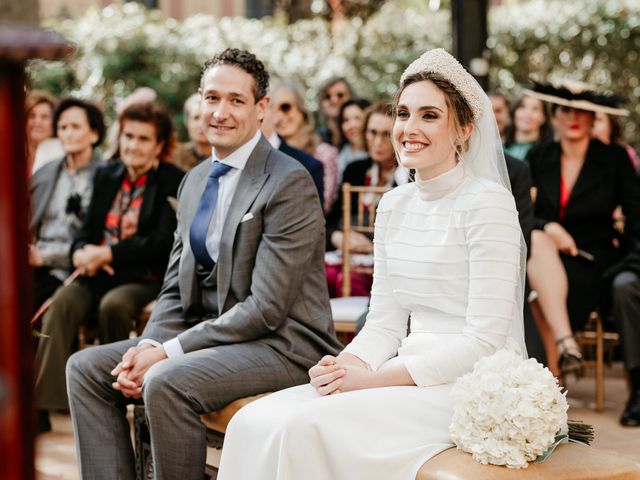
(271,285)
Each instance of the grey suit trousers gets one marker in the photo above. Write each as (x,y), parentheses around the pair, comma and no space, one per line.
(626,315)
(175,392)
(71,307)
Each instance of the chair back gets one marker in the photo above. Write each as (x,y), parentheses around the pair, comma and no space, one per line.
(366,198)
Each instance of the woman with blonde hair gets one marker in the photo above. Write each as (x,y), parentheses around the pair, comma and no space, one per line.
(294,123)
(42,146)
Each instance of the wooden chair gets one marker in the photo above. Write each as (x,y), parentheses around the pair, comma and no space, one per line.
(595,343)
(347,309)
(88,336)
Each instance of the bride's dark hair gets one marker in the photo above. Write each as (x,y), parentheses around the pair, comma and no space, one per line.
(463,115)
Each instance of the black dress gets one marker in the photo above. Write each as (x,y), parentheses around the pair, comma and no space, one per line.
(607,179)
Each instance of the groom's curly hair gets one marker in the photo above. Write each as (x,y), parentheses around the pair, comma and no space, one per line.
(243,60)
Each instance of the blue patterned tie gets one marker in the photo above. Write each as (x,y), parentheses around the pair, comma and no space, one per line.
(204,214)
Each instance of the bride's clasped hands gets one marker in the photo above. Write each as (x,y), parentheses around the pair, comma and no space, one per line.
(346,373)
(343,373)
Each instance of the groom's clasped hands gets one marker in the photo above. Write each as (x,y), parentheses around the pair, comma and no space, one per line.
(131,369)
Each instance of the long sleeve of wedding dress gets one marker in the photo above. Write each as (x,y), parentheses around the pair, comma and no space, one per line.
(449,260)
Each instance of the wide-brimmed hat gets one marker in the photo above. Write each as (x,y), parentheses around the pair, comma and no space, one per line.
(583,96)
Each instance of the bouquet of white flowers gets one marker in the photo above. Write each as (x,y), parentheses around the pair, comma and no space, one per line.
(508,410)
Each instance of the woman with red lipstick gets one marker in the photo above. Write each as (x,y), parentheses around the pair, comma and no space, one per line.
(579,183)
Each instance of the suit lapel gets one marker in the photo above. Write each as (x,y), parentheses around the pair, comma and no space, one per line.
(251,181)
(188,205)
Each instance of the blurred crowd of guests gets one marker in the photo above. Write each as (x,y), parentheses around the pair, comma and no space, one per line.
(107,212)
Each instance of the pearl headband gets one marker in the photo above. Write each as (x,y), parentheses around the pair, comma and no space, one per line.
(440,62)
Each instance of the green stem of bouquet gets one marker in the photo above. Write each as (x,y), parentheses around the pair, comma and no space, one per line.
(580,432)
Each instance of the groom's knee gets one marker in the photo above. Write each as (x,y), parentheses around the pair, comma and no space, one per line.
(77,367)
(158,385)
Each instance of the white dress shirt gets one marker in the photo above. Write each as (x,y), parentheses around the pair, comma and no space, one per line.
(228,184)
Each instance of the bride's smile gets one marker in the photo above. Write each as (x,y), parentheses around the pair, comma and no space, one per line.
(424,133)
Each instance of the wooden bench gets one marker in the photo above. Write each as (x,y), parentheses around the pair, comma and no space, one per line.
(568,462)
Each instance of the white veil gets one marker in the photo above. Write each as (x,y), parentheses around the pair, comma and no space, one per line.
(484,157)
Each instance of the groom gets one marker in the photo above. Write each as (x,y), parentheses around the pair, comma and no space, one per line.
(244,307)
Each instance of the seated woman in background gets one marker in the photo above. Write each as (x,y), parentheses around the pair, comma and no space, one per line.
(380,169)
(579,183)
(121,250)
(608,130)
(42,146)
(294,123)
(331,95)
(351,121)
(60,192)
(531,126)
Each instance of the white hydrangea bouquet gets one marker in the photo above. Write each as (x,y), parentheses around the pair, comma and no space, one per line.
(511,411)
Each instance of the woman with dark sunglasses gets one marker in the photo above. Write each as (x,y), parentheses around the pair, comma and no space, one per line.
(294,123)
(331,96)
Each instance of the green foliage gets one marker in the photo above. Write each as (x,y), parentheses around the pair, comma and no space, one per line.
(122,47)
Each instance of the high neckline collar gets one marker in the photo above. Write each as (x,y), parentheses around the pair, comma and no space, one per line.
(442,185)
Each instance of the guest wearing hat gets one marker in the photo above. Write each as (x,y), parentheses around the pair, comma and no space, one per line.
(580,181)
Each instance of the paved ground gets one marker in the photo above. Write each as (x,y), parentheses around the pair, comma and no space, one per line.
(56,457)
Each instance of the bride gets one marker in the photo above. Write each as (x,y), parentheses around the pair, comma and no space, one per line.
(448,285)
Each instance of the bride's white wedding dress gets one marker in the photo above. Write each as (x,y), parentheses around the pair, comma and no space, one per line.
(446,259)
